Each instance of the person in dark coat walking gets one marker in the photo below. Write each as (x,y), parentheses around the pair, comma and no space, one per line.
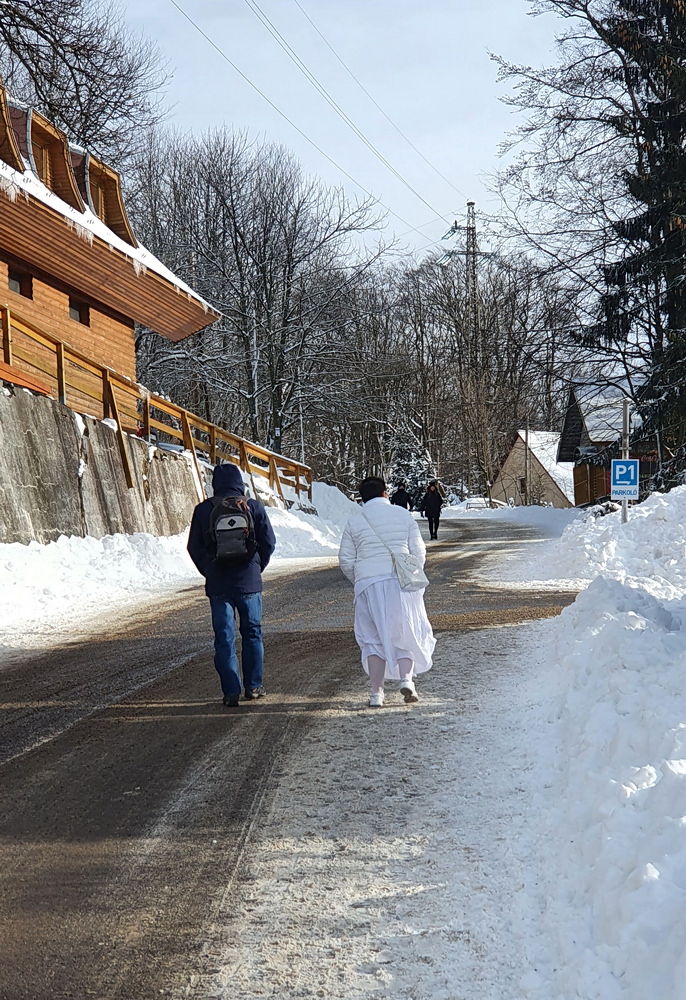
(401,498)
(431,507)
(234,588)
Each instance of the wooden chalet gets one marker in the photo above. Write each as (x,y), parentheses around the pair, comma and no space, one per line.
(593,423)
(70,264)
(531,473)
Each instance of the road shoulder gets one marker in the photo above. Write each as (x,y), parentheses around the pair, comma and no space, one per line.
(393,845)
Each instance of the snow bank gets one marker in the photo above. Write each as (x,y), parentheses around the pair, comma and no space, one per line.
(76,577)
(649,551)
(611,754)
(331,504)
(72,579)
(614,797)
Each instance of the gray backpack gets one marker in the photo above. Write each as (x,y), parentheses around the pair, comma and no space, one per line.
(232,531)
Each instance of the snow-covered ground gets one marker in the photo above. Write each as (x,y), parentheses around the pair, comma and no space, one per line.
(646,552)
(67,583)
(609,755)
(551,520)
(397,857)
(518,835)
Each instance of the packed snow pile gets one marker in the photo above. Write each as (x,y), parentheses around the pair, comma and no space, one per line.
(611,754)
(613,798)
(332,505)
(649,551)
(75,578)
(50,583)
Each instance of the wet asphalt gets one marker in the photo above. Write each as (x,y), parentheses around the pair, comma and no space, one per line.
(129,792)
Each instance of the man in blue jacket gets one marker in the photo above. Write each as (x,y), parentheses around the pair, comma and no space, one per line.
(237,587)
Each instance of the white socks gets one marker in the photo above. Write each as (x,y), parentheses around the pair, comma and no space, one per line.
(377,669)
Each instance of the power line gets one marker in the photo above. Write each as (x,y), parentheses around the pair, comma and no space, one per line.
(285,117)
(321,89)
(375,102)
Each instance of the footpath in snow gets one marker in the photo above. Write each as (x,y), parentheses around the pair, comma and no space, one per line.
(518,835)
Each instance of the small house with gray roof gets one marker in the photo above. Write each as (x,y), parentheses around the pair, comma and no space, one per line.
(593,423)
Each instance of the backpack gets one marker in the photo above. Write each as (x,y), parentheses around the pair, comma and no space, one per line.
(232,531)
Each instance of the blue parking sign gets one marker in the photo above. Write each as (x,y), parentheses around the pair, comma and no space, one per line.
(624,479)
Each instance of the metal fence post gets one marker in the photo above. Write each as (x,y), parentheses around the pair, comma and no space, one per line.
(625,451)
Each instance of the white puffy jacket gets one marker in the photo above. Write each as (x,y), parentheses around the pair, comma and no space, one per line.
(363,554)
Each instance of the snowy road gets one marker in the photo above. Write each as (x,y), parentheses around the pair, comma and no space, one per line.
(153,844)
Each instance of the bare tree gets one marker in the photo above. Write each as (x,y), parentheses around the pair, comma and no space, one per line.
(272,250)
(76,61)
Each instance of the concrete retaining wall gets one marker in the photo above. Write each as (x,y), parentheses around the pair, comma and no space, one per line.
(61,474)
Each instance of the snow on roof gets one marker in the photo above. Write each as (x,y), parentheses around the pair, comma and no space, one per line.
(543,445)
(602,416)
(87,225)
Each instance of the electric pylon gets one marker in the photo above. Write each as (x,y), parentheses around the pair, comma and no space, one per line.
(471,273)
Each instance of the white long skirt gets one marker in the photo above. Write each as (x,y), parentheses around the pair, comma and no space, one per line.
(393,624)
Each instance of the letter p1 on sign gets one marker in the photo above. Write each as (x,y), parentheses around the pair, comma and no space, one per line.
(624,479)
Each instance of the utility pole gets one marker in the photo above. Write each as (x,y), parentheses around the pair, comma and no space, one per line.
(474,390)
(471,278)
(626,430)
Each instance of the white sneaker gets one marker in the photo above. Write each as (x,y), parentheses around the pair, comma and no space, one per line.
(376,700)
(408,691)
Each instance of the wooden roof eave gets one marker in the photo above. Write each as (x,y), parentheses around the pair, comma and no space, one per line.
(66,186)
(9,148)
(113,181)
(35,233)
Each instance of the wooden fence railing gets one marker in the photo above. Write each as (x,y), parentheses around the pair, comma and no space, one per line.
(85,385)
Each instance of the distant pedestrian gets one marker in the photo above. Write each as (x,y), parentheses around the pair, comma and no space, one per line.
(231,541)
(401,498)
(431,507)
(391,626)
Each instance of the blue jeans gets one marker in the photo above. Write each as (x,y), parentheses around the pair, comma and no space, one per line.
(249,608)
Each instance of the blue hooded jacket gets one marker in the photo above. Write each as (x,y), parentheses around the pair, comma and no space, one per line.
(221,581)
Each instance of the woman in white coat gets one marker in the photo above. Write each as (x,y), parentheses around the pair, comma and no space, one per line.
(391,626)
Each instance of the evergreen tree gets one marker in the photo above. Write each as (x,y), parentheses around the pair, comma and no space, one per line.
(411,465)
(601,190)
(650,35)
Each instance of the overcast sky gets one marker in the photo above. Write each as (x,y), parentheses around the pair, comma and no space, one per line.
(425,62)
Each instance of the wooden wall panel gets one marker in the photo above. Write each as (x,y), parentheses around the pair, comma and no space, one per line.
(108,340)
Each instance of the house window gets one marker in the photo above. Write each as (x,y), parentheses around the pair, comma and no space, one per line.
(42,159)
(99,200)
(522,486)
(20,282)
(79,311)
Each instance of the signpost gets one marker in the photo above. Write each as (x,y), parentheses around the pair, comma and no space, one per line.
(624,480)
(624,475)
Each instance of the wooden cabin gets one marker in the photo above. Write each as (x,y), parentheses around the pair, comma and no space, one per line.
(70,264)
(593,422)
(531,473)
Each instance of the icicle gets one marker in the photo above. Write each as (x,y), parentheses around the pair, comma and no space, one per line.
(81,231)
(9,188)
(139,267)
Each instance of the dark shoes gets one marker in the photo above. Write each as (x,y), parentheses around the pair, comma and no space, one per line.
(251,694)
